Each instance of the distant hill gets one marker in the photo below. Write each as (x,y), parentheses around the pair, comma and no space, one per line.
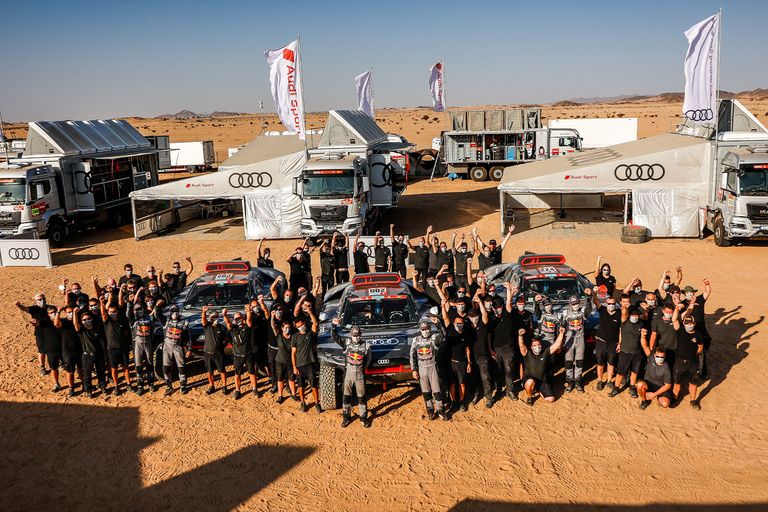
(664,97)
(181,114)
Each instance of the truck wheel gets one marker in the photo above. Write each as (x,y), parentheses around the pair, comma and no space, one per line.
(57,232)
(497,173)
(719,233)
(117,217)
(478,173)
(330,387)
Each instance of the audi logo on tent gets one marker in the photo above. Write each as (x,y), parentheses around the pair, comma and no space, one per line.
(23,253)
(250,179)
(639,172)
(704,114)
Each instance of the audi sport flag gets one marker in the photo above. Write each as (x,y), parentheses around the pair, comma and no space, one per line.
(285,82)
(364,86)
(701,61)
(436,87)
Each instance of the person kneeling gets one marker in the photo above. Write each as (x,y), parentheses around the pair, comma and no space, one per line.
(657,382)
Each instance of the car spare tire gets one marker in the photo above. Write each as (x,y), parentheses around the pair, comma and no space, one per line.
(635,231)
(330,387)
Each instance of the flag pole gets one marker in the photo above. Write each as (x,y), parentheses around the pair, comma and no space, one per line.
(5,139)
(301,83)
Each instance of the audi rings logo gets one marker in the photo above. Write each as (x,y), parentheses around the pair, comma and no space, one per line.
(702,114)
(639,172)
(384,341)
(23,253)
(250,179)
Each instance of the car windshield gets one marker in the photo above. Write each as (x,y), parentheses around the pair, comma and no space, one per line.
(753,180)
(379,312)
(330,185)
(223,294)
(13,190)
(557,289)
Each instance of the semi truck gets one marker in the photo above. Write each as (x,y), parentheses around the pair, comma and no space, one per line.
(192,156)
(481,143)
(74,175)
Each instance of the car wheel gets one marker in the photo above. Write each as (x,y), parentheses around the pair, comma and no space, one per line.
(330,387)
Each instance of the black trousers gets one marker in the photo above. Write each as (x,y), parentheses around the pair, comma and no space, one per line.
(93,362)
(482,378)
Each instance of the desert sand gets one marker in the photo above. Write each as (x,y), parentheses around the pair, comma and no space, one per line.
(585,452)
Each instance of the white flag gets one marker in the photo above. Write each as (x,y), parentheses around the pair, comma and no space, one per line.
(284,79)
(701,61)
(436,87)
(364,86)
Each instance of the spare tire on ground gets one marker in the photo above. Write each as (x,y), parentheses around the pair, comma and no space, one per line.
(634,234)
(426,159)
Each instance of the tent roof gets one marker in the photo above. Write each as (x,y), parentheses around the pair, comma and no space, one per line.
(593,171)
(353,127)
(84,137)
(266,147)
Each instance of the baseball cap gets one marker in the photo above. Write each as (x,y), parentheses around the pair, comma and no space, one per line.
(424,325)
(520,300)
(689,289)
(573,300)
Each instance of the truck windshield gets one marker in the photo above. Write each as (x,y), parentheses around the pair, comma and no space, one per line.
(329,185)
(12,190)
(753,180)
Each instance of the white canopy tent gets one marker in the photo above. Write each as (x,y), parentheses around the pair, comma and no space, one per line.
(667,176)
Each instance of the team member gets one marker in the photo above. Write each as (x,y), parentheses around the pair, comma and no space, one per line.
(180,277)
(666,284)
(71,349)
(299,275)
(690,344)
(275,318)
(52,346)
(73,293)
(263,256)
(699,318)
(93,357)
(538,363)
(463,259)
(664,335)
(118,338)
(357,357)
(420,262)
(574,319)
(149,276)
(213,348)
(303,359)
(458,343)
(110,290)
(175,349)
(399,252)
(360,257)
(606,338)
(491,253)
(283,340)
(381,255)
(504,341)
(41,321)
(603,277)
(424,364)
(243,358)
(547,328)
(444,256)
(128,275)
(327,260)
(481,349)
(657,382)
(635,291)
(632,343)
(143,355)
(341,258)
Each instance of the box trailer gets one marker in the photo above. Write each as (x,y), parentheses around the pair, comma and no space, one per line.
(192,156)
(600,133)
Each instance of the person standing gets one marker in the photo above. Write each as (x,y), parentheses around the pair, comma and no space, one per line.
(263,256)
(52,346)
(118,338)
(481,349)
(382,255)
(41,321)
(632,344)
(129,276)
(420,263)
(71,349)
(574,319)
(303,358)
(549,321)
(93,357)
(424,349)
(504,341)
(213,348)
(664,335)
(458,342)
(180,277)
(538,366)
(327,260)
(606,339)
(690,345)
(243,358)
(175,350)
(399,252)
(463,259)
(283,338)
(341,257)
(699,318)
(444,256)
(603,277)
(299,276)
(491,253)
(357,357)
(360,257)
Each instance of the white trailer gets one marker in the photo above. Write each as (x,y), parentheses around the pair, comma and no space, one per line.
(600,133)
(192,156)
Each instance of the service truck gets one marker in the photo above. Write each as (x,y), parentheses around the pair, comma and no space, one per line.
(192,156)
(482,143)
(74,175)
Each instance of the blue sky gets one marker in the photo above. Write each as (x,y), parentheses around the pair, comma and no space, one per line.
(86,59)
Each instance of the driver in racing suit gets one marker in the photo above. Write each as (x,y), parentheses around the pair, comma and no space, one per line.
(175,340)
(357,355)
(574,318)
(143,356)
(423,351)
(546,330)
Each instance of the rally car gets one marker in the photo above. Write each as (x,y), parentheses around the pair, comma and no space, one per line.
(388,311)
(546,275)
(225,284)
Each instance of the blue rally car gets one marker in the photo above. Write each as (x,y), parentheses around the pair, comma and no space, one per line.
(388,311)
(546,275)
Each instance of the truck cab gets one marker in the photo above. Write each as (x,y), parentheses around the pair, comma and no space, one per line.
(333,189)
(29,199)
(740,205)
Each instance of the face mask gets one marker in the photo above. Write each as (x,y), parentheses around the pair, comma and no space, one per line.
(521,307)
(610,307)
(634,319)
(266,255)
(88,323)
(665,286)
(459,327)
(214,319)
(689,296)
(113,316)
(659,360)
(129,272)
(444,249)
(303,329)
(287,298)
(536,349)
(381,244)
(421,244)
(651,303)
(93,308)
(498,312)
(40,302)
(638,289)
(488,306)
(76,291)
(139,313)
(286,332)
(153,290)
(356,339)
(69,316)
(606,272)
(425,333)
(302,294)
(430,282)
(487,254)
(52,314)
(175,316)
(690,327)
(474,320)
(278,314)
(400,239)
(238,321)
(667,316)
(575,307)
(463,250)
(460,295)
(460,308)
(548,308)
(492,294)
